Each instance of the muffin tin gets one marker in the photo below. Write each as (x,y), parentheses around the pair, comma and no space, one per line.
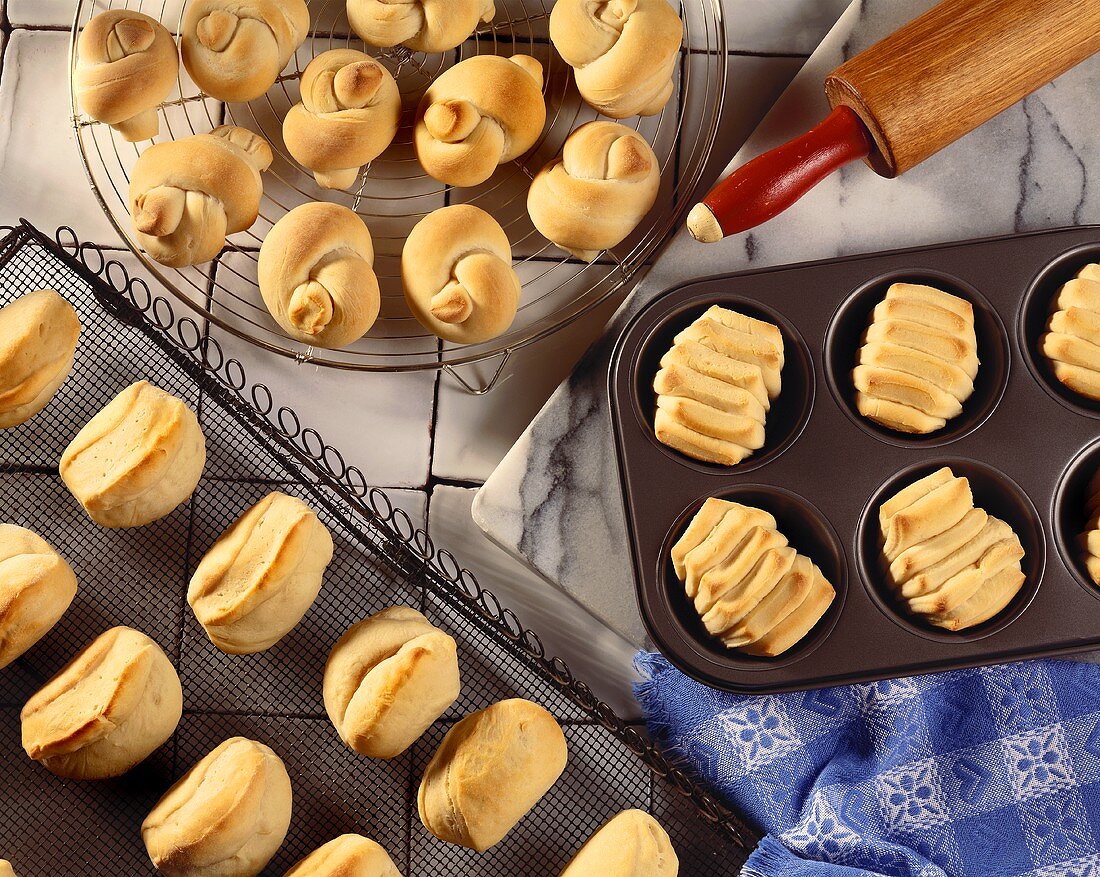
(1027,444)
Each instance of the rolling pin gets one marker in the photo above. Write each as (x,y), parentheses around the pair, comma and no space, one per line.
(909,96)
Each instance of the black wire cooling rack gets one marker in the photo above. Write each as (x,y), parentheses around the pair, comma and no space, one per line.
(138,577)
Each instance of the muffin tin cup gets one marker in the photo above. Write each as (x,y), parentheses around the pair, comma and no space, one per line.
(824,470)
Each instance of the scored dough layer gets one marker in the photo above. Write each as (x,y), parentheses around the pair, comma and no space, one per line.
(1071,343)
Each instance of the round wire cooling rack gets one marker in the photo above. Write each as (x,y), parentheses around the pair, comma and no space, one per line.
(393,193)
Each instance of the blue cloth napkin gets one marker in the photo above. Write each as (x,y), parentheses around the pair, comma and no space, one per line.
(975,773)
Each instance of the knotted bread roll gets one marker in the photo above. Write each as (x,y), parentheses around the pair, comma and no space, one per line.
(187,195)
(316,275)
(236,49)
(349,855)
(107,710)
(349,114)
(597,191)
(38,334)
(630,844)
(126,65)
(481,113)
(226,817)
(36,587)
(457,269)
(422,25)
(623,52)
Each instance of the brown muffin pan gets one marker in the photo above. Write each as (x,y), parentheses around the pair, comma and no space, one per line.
(1028,446)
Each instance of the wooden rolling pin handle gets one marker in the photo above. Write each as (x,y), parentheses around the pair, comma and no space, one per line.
(772,182)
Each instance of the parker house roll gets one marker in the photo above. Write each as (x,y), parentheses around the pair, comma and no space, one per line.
(106,711)
(630,844)
(387,679)
(350,855)
(951,564)
(261,576)
(623,52)
(592,196)
(227,816)
(918,361)
(489,771)
(36,587)
(422,25)
(1072,340)
(1090,538)
(752,590)
(126,66)
(716,386)
(38,335)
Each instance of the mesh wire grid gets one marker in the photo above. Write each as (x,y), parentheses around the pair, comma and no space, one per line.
(138,577)
(393,193)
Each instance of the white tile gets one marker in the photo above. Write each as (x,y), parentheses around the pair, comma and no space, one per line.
(41,13)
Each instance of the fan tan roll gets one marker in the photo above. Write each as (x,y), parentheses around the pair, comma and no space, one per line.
(387,679)
(457,270)
(316,275)
(126,65)
(489,771)
(630,844)
(1090,538)
(595,194)
(236,49)
(623,52)
(350,855)
(422,25)
(38,335)
(349,114)
(261,576)
(481,113)
(6,870)
(1071,343)
(187,195)
(36,587)
(137,459)
(106,711)
(226,817)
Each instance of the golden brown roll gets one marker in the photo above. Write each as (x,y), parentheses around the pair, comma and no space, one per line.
(226,817)
(236,49)
(36,587)
(489,771)
(126,65)
(187,195)
(6,869)
(1071,343)
(316,275)
(38,335)
(387,679)
(597,191)
(457,270)
(348,115)
(422,25)
(1090,538)
(481,113)
(350,855)
(261,576)
(107,710)
(623,52)
(630,844)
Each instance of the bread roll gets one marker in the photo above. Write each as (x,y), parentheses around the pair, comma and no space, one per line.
(631,844)
(107,710)
(36,587)
(1090,538)
(227,816)
(187,195)
(38,334)
(489,771)
(350,855)
(422,25)
(316,275)
(597,191)
(1071,343)
(387,679)
(481,113)
(623,52)
(236,49)
(457,269)
(261,576)
(126,65)
(348,115)
(6,869)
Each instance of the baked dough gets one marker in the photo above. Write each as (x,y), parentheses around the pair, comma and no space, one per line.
(1090,538)
(918,361)
(349,855)
(261,576)
(137,459)
(106,711)
(38,335)
(716,386)
(227,816)
(489,771)
(387,679)
(6,869)
(1072,340)
(631,844)
(423,25)
(36,587)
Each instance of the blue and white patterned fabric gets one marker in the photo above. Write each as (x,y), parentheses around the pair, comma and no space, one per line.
(973,773)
